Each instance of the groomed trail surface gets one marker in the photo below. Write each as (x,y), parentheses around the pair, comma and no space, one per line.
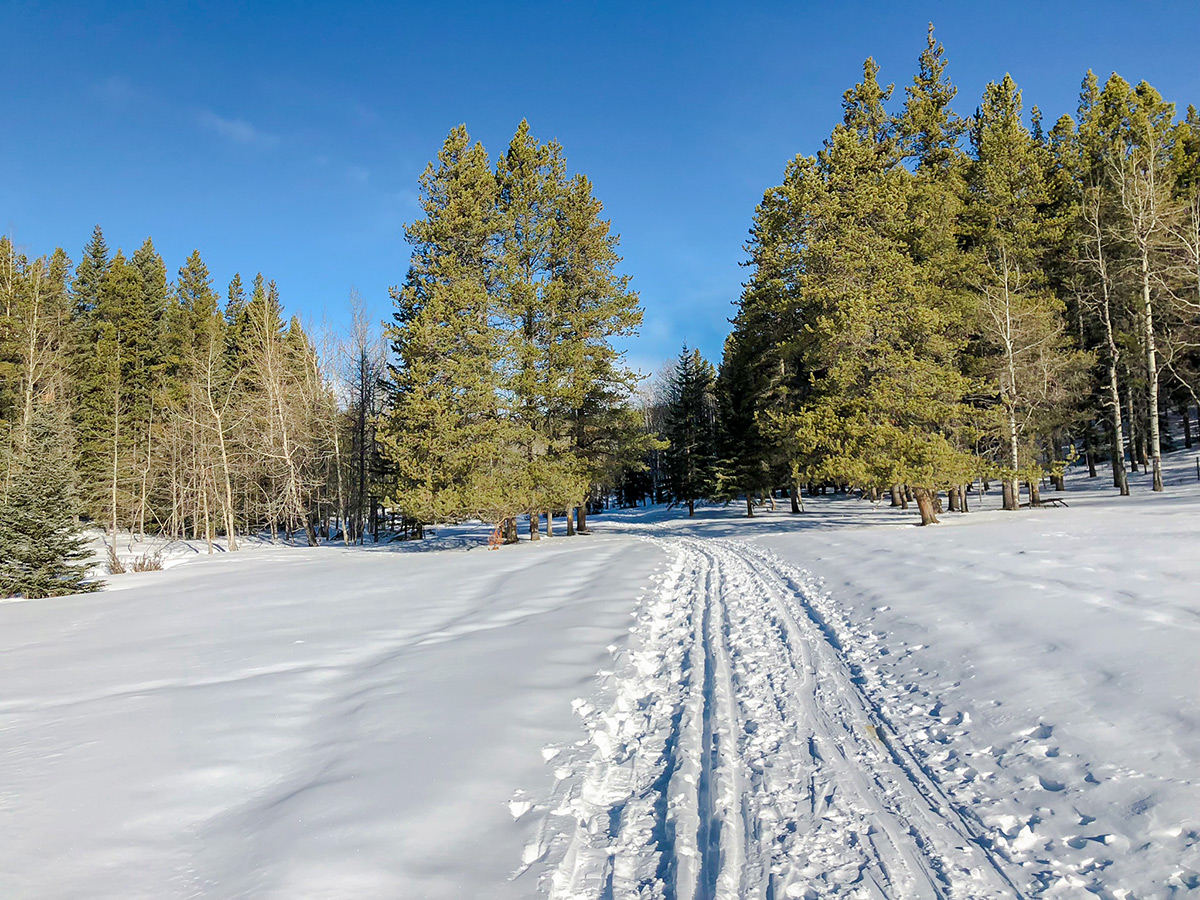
(742,758)
(939,723)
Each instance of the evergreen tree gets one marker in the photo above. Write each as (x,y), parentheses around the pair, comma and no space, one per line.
(690,430)
(42,550)
(594,430)
(1024,347)
(759,377)
(448,434)
(89,274)
(529,179)
(887,392)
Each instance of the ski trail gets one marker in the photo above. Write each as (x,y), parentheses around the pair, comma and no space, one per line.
(741,758)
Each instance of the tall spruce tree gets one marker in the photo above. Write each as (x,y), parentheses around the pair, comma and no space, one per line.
(690,430)
(758,377)
(90,273)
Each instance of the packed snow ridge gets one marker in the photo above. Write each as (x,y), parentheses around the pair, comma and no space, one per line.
(828,705)
(745,756)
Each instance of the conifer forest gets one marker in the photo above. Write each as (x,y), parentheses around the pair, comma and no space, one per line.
(934,301)
(505,577)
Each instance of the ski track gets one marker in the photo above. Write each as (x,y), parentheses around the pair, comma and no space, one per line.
(742,757)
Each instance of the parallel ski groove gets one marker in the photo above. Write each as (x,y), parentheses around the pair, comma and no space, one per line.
(742,758)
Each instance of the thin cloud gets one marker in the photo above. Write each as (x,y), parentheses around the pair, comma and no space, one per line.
(117,91)
(236,131)
(363,114)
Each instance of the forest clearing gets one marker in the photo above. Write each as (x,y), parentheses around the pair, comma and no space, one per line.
(600,452)
(711,707)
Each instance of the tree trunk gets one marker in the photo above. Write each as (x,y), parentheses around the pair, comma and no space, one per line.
(952,499)
(925,505)
(581,513)
(1089,449)
(691,507)
(549,523)
(897,498)
(1009,498)
(1151,372)
(1133,429)
(795,492)
(116,446)
(208,535)
(570,521)
(1035,494)
(749,506)
(1012,498)
(535,525)
(1120,480)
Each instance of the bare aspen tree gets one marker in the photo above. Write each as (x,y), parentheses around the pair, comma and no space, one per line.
(1102,301)
(1141,173)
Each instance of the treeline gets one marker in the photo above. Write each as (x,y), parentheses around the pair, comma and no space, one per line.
(180,412)
(171,410)
(936,300)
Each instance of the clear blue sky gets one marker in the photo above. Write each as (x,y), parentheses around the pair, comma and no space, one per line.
(288,137)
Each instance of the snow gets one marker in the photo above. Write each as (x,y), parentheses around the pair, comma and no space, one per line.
(836,704)
(286,723)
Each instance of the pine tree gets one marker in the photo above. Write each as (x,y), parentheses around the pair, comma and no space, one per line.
(529,177)
(594,430)
(886,388)
(1091,249)
(42,550)
(758,377)
(690,430)
(449,435)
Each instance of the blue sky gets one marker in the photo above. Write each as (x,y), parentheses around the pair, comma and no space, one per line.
(288,137)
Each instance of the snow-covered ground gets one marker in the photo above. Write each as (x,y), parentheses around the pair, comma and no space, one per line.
(834,704)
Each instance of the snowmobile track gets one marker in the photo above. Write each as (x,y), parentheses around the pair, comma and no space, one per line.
(743,757)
